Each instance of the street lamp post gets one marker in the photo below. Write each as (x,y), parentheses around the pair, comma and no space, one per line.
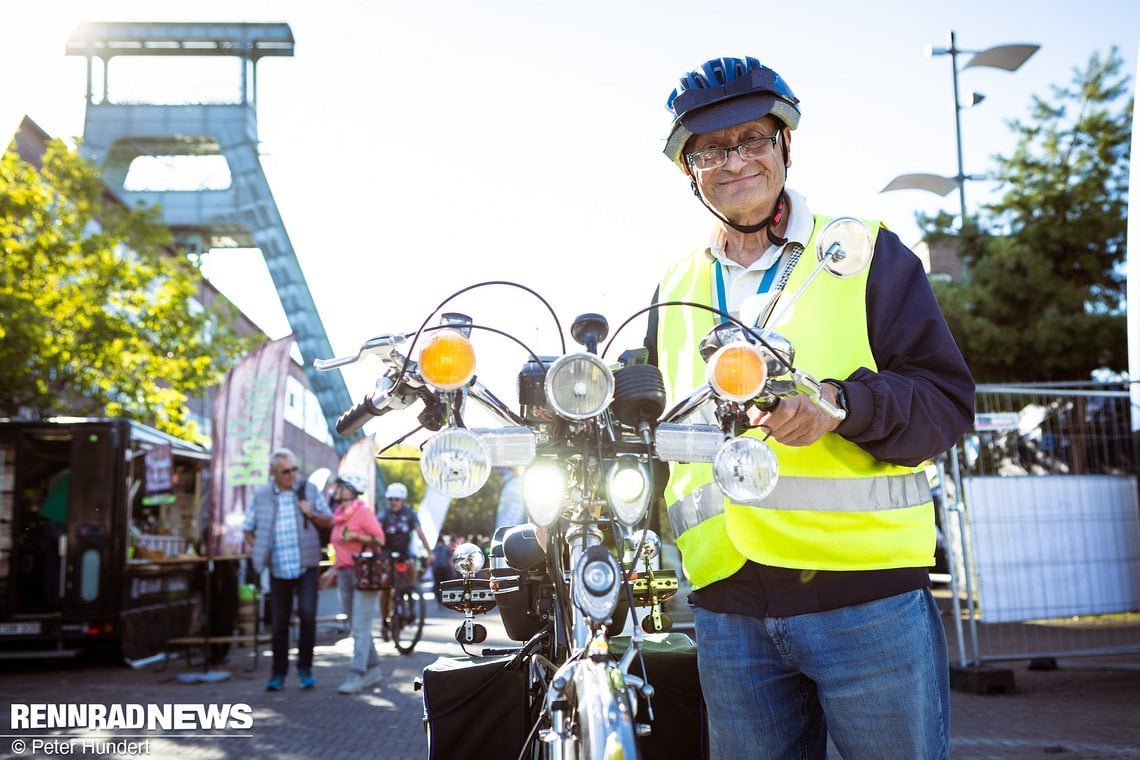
(1007,57)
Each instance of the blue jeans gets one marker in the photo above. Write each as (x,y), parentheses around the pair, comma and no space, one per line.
(281,592)
(875,676)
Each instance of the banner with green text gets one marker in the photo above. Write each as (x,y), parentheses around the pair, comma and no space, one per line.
(249,424)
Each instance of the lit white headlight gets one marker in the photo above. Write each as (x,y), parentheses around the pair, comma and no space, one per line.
(456,463)
(746,470)
(627,489)
(544,491)
(579,386)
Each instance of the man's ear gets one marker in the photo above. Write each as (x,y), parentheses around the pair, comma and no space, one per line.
(787,132)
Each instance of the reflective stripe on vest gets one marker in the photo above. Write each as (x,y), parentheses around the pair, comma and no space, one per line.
(871,494)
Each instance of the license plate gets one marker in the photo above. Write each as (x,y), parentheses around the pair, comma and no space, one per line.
(21,629)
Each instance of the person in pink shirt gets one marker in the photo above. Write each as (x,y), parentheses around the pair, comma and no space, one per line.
(355,528)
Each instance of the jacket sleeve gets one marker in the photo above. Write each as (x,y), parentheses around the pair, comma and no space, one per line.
(920,400)
(317,498)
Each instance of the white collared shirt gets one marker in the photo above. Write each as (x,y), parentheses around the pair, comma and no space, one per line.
(741,283)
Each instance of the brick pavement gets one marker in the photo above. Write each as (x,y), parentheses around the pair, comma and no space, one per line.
(1088,708)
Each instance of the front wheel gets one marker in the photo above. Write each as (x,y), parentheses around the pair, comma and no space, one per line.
(407,619)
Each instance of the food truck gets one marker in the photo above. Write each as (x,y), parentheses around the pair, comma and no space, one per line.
(101,529)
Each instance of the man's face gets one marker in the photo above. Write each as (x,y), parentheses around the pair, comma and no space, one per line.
(284,473)
(395,504)
(743,191)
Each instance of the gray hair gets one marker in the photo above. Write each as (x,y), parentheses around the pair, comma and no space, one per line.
(281,454)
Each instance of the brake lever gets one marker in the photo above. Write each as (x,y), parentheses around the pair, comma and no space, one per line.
(809,386)
(382,345)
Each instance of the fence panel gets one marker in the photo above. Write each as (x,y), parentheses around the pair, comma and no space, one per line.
(1044,525)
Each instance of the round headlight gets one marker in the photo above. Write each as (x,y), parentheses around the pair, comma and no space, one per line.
(627,489)
(447,361)
(456,462)
(579,386)
(544,490)
(467,559)
(746,470)
(737,371)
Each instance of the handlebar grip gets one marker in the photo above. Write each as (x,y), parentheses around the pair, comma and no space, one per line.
(354,418)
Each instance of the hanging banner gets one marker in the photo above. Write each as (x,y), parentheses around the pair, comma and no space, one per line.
(248,425)
(432,512)
(511,510)
(361,459)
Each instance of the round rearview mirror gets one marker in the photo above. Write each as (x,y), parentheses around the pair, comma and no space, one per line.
(845,246)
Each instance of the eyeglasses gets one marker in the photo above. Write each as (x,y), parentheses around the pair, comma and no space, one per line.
(289,471)
(749,150)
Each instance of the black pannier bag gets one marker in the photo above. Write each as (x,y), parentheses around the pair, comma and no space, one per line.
(475,707)
(680,723)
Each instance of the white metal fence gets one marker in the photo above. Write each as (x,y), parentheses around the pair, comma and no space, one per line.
(1042,518)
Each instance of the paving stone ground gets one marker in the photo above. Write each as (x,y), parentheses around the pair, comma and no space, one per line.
(1086,709)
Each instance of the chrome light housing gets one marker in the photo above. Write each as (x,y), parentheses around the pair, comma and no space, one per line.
(649,543)
(579,386)
(597,586)
(467,559)
(628,490)
(544,492)
(456,462)
(512,446)
(673,442)
(746,470)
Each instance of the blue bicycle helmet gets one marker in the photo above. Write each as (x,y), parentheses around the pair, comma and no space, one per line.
(724,92)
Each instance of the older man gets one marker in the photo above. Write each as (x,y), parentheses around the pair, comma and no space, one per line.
(813,610)
(282,525)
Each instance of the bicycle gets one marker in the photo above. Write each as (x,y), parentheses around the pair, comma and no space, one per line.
(589,436)
(406,624)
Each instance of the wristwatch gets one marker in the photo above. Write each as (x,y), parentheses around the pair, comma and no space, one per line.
(840,395)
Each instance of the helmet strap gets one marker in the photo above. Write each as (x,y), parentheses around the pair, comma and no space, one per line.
(768,225)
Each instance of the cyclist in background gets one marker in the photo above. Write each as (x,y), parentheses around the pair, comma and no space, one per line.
(398,522)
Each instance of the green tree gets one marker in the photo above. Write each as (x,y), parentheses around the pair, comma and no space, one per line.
(401,464)
(1044,294)
(100,318)
(475,514)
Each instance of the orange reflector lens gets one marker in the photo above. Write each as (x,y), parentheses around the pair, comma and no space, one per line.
(447,361)
(737,372)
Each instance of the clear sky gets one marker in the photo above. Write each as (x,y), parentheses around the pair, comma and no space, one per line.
(415,147)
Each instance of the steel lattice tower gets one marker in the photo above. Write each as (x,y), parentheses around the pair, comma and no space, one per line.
(241,215)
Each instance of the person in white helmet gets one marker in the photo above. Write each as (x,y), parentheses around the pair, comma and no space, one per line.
(355,528)
(399,522)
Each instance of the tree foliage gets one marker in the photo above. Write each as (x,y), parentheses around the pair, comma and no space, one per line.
(405,470)
(1044,294)
(100,318)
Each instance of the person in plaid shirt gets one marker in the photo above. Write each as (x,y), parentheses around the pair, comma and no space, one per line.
(282,525)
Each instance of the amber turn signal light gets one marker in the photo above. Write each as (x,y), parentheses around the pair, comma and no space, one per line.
(447,361)
(737,371)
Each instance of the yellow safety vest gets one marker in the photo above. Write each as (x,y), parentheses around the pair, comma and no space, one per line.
(834,507)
